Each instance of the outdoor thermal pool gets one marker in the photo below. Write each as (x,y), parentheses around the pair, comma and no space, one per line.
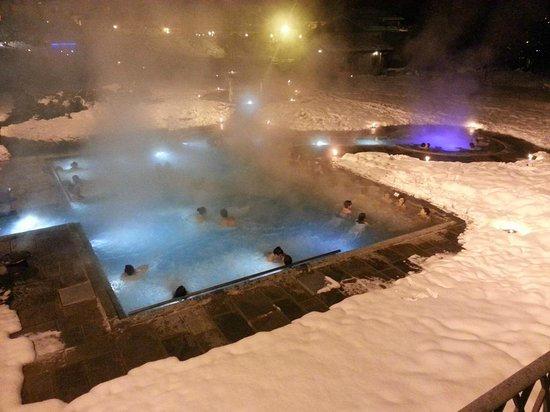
(139,207)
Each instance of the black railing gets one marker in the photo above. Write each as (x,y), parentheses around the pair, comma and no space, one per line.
(232,282)
(518,388)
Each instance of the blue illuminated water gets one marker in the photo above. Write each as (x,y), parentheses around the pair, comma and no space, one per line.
(140,209)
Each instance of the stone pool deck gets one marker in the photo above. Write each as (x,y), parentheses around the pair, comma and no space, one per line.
(63,291)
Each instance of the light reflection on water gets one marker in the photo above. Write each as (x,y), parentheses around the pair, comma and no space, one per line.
(137,211)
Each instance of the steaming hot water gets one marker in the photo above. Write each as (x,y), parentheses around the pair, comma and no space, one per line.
(140,204)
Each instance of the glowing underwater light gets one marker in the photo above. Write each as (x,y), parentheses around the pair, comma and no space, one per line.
(162,155)
(30,222)
(320,143)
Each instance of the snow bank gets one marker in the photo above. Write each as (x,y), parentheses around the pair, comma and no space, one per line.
(433,341)
(527,119)
(170,112)
(14,354)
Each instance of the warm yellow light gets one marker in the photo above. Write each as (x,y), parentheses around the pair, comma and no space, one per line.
(115,26)
(285,30)
(166,30)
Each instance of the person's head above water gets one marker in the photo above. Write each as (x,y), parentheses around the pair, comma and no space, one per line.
(361,218)
(202,211)
(347,204)
(224,214)
(278,251)
(74,165)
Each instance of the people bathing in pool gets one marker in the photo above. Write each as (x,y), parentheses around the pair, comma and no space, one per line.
(226,220)
(279,256)
(345,212)
(201,216)
(360,224)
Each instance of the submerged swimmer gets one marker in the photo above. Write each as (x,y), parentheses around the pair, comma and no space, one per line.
(201,217)
(227,221)
(130,270)
(360,225)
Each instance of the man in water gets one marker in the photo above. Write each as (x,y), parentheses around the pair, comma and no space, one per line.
(360,225)
(201,217)
(345,212)
(227,221)
(279,256)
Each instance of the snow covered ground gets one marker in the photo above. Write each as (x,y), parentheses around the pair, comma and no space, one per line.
(386,100)
(433,341)
(168,111)
(400,100)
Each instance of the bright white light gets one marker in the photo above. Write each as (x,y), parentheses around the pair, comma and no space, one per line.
(199,96)
(166,30)
(271,35)
(320,143)
(119,62)
(530,156)
(292,99)
(473,125)
(29,222)
(162,155)
(249,102)
(115,26)
(335,152)
(246,35)
(320,51)
(285,29)
(289,82)
(300,36)
(374,125)
(351,75)
(376,53)
(427,158)
(268,122)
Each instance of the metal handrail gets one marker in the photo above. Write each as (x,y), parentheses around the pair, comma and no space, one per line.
(518,388)
(231,282)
